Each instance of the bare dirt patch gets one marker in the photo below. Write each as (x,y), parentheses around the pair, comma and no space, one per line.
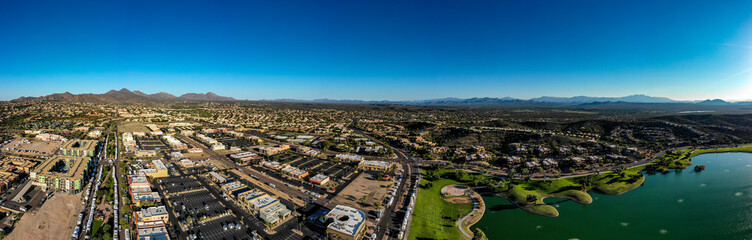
(464,199)
(364,192)
(133,127)
(54,220)
(454,190)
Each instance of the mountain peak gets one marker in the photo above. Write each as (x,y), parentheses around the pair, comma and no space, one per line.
(125,95)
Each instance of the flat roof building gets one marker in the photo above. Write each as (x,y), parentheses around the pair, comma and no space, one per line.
(347,223)
(64,173)
(374,165)
(218,177)
(244,157)
(319,179)
(152,231)
(349,157)
(152,214)
(273,165)
(157,170)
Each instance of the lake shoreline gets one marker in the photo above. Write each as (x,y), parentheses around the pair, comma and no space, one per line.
(673,199)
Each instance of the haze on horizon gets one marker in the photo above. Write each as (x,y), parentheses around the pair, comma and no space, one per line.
(379,50)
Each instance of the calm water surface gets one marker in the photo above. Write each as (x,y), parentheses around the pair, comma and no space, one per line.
(713,204)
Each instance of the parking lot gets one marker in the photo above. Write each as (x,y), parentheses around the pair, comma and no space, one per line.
(333,169)
(24,147)
(251,185)
(221,229)
(150,143)
(197,204)
(232,141)
(189,198)
(177,184)
(292,182)
(286,157)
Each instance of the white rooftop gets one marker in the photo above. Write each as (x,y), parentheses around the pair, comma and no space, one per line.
(347,219)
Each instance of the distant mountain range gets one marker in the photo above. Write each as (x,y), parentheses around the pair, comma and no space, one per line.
(637,98)
(507,101)
(126,96)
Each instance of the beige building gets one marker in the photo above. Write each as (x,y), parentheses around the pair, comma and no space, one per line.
(369,165)
(64,173)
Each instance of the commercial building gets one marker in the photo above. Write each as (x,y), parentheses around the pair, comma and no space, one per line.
(141,191)
(272,165)
(146,153)
(268,151)
(65,173)
(151,231)
(255,201)
(268,208)
(78,148)
(156,169)
(295,172)
(206,139)
(175,143)
(319,179)
(152,214)
(218,146)
(187,163)
(129,142)
(244,157)
(50,137)
(217,177)
(349,157)
(233,188)
(347,223)
(375,165)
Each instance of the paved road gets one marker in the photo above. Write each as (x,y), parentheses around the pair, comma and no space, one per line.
(93,188)
(291,192)
(389,219)
(476,205)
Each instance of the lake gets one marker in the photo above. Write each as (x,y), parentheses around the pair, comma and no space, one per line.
(712,204)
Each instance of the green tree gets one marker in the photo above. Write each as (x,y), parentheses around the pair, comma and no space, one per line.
(531,198)
(479,234)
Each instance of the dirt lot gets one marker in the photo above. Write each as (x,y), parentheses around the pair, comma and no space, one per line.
(54,220)
(42,148)
(366,186)
(454,190)
(133,127)
(195,156)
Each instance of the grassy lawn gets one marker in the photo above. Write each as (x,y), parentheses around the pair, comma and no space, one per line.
(95,226)
(745,148)
(571,188)
(561,188)
(435,218)
(614,184)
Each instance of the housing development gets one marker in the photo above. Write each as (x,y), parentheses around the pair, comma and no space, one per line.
(275,170)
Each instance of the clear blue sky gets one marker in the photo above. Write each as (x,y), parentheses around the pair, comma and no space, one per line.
(377,50)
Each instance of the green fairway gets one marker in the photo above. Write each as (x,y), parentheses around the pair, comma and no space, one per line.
(561,188)
(574,189)
(615,184)
(435,218)
(745,148)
